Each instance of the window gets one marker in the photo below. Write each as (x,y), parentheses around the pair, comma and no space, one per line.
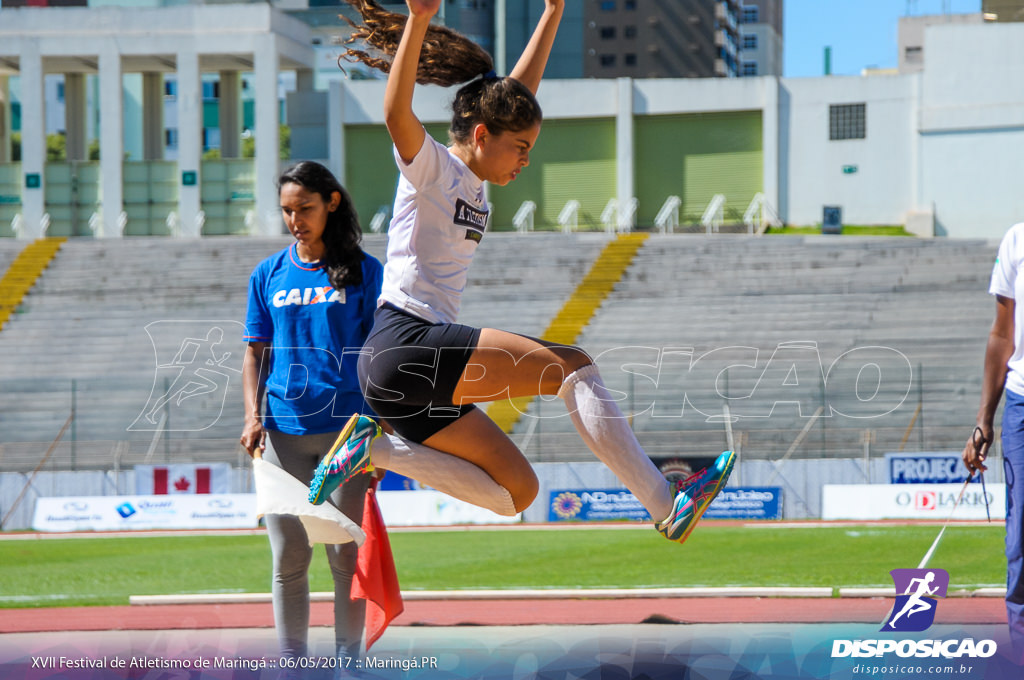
(211,138)
(607,5)
(913,55)
(629,31)
(629,59)
(607,60)
(749,68)
(607,33)
(846,121)
(749,42)
(630,4)
(751,14)
(170,88)
(171,138)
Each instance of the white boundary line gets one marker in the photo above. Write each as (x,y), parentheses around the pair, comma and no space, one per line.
(563,594)
(533,594)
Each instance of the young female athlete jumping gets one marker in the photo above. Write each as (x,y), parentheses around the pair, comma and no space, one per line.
(420,370)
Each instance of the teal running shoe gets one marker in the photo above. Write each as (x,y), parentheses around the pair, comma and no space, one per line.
(693,496)
(347,457)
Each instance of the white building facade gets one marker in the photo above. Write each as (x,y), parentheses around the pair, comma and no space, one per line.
(939,150)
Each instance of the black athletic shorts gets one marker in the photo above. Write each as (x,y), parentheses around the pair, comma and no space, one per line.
(409,368)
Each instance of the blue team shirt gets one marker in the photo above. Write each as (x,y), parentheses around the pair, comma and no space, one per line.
(315,334)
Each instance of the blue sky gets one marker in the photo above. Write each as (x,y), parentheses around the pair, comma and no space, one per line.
(862,33)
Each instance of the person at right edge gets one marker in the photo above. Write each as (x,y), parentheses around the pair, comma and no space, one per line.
(1004,372)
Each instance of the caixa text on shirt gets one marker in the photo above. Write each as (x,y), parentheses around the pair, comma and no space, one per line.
(307,296)
(468,216)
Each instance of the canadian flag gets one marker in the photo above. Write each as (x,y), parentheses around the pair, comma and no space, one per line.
(158,480)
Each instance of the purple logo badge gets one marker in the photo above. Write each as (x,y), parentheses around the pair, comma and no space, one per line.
(916,593)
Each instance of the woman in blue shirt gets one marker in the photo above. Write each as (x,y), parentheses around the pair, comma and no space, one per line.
(310,309)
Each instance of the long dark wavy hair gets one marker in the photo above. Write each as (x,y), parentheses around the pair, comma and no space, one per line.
(448,58)
(342,253)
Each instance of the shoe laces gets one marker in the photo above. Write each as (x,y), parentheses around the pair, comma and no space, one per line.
(681,484)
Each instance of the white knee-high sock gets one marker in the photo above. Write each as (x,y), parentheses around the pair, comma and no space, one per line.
(605,431)
(447,473)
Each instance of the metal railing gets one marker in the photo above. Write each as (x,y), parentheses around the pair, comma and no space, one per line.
(568,218)
(523,219)
(714,214)
(667,219)
(759,215)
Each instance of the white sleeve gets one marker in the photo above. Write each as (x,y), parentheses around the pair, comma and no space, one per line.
(429,164)
(1004,272)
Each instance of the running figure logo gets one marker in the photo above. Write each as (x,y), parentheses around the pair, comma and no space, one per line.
(916,593)
(193,372)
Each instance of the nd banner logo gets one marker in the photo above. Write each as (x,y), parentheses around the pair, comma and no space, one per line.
(916,593)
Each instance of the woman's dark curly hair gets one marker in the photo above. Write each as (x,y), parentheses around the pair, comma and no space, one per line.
(448,58)
(342,253)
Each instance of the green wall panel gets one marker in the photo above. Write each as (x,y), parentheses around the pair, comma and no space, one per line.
(592,183)
(227,192)
(370,170)
(10,196)
(72,195)
(573,159)
(695,156)
(150,196)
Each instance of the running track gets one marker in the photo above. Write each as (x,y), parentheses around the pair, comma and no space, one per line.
(957,610)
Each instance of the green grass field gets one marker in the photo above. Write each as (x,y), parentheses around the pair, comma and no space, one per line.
(106,571)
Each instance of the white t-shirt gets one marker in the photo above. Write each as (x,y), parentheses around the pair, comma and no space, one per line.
(440,216)
(1008,282)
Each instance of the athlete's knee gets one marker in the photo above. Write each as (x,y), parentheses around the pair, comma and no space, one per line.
(570,359)
(524,491)
(574,358)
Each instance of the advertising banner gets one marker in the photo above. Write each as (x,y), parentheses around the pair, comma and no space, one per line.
(590,505)
(595,505)
(755,502)
(902,501)
(937,467)
(126,513)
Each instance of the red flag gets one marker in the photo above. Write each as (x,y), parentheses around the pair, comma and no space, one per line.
(159,480)
(376,580)
(202,480)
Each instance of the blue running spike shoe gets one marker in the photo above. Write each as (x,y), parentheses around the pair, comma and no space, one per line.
(694,496)
(347,457)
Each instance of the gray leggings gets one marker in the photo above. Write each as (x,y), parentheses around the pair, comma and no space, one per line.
(299,455)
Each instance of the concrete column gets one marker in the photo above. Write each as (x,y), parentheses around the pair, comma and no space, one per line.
(152,116)
(624,172)
(305,80)
(190,140)
(268,135)
(770,142)
(74,116)
(336,129)
(111,139)
(500,37)
(5,119)
(230,110)
(33,140)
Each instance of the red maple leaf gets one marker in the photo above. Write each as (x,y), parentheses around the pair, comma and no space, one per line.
(182,484)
